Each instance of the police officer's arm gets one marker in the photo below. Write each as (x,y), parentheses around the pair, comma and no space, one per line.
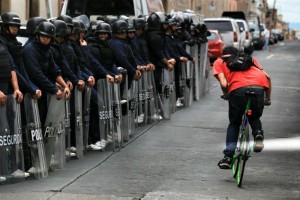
(99,70)
(3,99)
(17,93)
(56,72)
(35,72)
(184,53)
(121,58)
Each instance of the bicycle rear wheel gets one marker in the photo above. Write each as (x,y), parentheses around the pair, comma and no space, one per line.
(241,168)
(235,165)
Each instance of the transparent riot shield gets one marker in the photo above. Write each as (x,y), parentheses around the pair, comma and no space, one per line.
(203,55)
(141,101)
(78,123)
(157,112)
(189,84)
(190,77)
(125,110)
(145,96)
(182,82)
(58,160)
(117,117)
(196,82)
(55,116)
(166,93)
(67,125)
(11,151)
(207,70)
(172,92)
(104,109)
(133,101)
(150,98)
(86,115)
(34,135)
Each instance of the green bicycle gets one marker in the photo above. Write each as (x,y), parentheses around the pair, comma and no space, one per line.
(243,148)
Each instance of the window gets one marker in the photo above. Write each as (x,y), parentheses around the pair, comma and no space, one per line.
(103,7)
(219,25)
(213,36)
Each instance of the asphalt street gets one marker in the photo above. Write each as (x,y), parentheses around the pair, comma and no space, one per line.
(177,158)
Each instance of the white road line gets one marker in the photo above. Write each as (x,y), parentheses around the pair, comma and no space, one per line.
(270,56)
(286,87)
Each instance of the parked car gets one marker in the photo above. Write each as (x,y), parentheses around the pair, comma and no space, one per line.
(215,45)
(246,34)
(258,38)
(278,34)
(228,29)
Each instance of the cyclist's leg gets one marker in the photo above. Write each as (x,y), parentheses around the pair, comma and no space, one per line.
(257,106)
(237,105)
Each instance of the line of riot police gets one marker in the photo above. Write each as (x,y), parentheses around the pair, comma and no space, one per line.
(87,85)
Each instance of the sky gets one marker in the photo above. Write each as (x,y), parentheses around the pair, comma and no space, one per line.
(290,9)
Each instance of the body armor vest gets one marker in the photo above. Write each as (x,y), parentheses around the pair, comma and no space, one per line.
(5,71)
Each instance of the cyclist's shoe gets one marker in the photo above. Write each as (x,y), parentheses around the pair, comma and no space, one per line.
(258,142)
(225,163)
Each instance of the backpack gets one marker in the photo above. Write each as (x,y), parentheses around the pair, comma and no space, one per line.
(238,62)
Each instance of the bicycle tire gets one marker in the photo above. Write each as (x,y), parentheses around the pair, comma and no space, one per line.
(235,165)
(243,157)
(242,164)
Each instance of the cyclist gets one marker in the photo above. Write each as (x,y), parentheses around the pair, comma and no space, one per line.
(235,85)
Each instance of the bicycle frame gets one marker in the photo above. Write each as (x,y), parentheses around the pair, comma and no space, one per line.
(243,149)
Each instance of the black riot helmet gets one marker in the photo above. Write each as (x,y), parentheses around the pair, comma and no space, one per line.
(33,23)
(61,27)
(110,20)
(76,27)
(139,23)
(130,28)
(103,28)
(154,21)
(67,19)
(46,29)
(171,22)
(119,26)
(10,18)
(82,26)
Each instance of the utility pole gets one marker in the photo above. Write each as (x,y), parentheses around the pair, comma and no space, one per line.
(273,15)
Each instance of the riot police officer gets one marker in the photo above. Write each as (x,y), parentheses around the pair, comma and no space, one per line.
(156,47)
(101,51)
(122,51)
(41,67)
(31,26)
(9,30)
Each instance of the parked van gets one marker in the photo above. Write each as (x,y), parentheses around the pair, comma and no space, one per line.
(229,30)
(95,8)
